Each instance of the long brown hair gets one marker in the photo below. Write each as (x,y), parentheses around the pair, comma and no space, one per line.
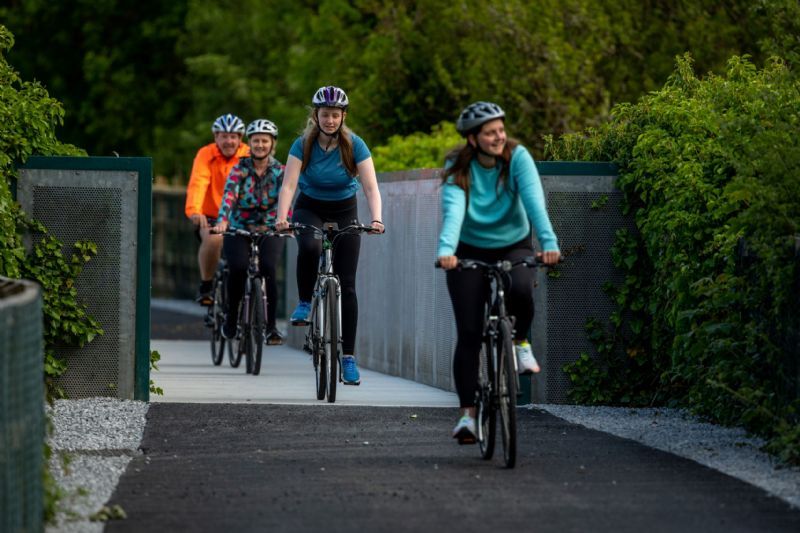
(311,134)
(462,156)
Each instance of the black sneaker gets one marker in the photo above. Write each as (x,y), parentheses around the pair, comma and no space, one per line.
(274,337)
(205,294)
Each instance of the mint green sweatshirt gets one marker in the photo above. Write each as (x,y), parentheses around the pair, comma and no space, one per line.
(495,220)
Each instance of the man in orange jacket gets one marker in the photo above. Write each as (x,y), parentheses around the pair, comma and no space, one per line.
(210,170)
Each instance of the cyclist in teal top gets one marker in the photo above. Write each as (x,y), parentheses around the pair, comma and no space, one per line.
(491,194)
(248,202)
(327,162)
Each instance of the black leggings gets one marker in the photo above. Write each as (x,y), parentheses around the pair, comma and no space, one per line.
(346,248)
(469,291)
(236,250)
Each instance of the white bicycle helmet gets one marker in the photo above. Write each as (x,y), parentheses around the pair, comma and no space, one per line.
(262,125)
(228,123)
(477,114)
(330,96)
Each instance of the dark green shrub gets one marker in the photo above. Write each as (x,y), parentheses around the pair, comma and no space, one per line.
(710,169)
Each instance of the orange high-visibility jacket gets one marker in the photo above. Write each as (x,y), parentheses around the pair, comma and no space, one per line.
(209,173)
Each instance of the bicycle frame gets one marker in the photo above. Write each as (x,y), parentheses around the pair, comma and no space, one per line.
(320,294)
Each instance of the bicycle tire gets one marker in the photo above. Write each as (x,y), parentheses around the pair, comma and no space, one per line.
(258,327)
(216,317)
(246,320)
(486,414)
(332,337)
(317,351)
(507,394)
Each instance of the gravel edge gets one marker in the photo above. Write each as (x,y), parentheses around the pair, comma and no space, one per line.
(93,440)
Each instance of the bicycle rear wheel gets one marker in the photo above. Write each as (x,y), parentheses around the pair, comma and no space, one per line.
(331,340)
(258,331)
(317,351)
(507,397)
(238,345)
(486,414)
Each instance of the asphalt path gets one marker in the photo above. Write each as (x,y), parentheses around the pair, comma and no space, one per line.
(318,467)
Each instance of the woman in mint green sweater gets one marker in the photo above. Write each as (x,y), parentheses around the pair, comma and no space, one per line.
(491,198)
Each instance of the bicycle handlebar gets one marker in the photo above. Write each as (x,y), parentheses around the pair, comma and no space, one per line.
(247,233)
(500,266)
(352,228)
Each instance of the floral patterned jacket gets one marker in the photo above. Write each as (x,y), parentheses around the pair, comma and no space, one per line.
(249,200)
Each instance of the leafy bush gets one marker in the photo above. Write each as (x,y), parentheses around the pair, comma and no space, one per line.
(29,118)
(418,150)
(710,169)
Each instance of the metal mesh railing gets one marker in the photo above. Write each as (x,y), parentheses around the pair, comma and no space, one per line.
(22,427)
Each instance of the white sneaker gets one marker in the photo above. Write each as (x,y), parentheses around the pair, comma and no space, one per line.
(465,430)
(526,362)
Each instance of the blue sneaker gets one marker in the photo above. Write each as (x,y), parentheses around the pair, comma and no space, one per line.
(300,314)
(350,374)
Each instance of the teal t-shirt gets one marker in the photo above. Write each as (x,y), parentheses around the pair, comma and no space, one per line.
(494,219)
(325,178)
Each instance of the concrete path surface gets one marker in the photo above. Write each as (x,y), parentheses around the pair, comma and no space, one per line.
(186,374)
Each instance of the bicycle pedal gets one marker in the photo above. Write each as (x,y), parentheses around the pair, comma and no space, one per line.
(307,349)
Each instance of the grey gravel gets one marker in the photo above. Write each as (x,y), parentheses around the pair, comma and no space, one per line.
(728,450)
(99,436)
(93,441)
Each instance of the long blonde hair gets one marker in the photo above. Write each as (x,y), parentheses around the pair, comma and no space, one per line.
(311,134)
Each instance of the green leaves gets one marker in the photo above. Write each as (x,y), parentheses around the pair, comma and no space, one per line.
(708,164)
(29,118)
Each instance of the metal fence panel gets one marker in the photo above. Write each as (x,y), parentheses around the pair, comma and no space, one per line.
(102,200)
(406,326)
(21,406)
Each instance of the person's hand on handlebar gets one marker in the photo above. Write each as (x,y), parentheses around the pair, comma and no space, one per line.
(549,257)
(221,227)
(448,262)
(377,226)
(281,225)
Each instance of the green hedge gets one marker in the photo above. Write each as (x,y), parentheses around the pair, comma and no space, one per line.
(708,314)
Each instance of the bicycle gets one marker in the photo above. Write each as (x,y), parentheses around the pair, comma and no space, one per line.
(216,315)
(324,334)
(251,328)
(498,379)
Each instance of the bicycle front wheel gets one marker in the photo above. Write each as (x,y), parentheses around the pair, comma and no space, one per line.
(507,397)
(332,337)
(215,318)
(486,415)
(317,350)
(257,329)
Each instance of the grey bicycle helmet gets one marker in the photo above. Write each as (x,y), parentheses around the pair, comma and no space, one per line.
(228,123)
(330,96)
(477,114)
(262,125)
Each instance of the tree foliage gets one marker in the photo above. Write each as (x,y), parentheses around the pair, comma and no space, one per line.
(148,77)
(710,171)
